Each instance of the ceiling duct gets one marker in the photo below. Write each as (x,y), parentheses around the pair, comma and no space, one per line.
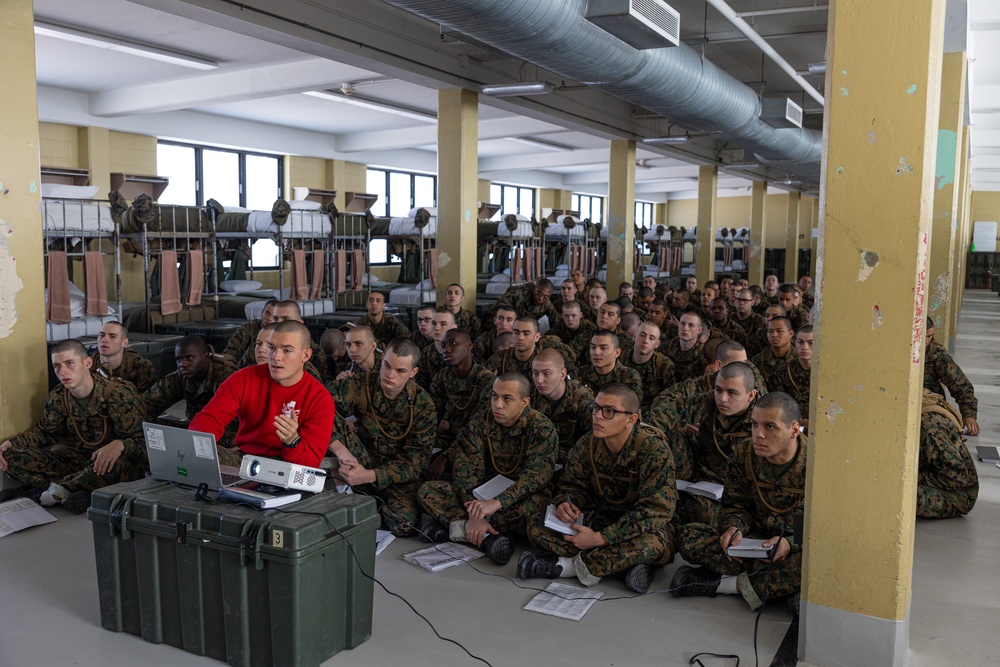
(780,112)
(676,82)
(642,24)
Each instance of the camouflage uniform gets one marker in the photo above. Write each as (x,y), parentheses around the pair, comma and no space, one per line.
(799,317)
(734,331)
(745,506)
(457,400)
(656,374)
(467,321)
(134,368)
(525,452)
(574,337)
(505,360)
(390,327)
(394,438)
(940,371)
(196,393)
(797,381)
(482,348)
(808,300)
(686,364)
(553,343)
(947,483)
(585,310)
(431,362)
(112,412)
(755,331)
(249,358)
(243,339)
(518,298)
(570,414)
(674,407)
(774,368)
(419,339)
(589,377)
(628,496)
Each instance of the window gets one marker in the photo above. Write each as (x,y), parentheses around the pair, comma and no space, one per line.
(589,206)
(644,214)
(233,178)
(400,191)
(513,199)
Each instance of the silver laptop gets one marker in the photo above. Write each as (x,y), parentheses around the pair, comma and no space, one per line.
(186,457)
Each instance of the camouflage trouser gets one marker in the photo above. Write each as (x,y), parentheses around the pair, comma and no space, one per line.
(699,545)
(652,548)
(230,456)
(399,509)
(694,509)
(440,501)
(70,468)
(933,503)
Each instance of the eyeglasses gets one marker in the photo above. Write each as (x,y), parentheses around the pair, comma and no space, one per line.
(425,319)
(607,411)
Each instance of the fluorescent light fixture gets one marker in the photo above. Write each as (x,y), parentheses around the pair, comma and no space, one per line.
(817,68)
(375,105)
(667,141)
(100,41)
(542,143)
(514,89)
(742,166)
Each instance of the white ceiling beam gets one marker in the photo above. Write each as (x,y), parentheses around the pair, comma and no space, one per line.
(640,175)
(221,87)
(426,135)
(545,160)
(679,184)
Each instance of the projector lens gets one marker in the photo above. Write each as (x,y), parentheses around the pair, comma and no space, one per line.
(254,468)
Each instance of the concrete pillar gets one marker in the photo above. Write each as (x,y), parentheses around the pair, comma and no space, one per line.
(458,183)
(708,192)
(792,237)
(814,243)
(621,215)
(960,241)
(95,155)
(23,358)
(755,253)
(878,165)
(946,194)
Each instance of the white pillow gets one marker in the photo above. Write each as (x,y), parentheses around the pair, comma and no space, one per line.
(304,205)
(61,191)
(233,286)
(500,278)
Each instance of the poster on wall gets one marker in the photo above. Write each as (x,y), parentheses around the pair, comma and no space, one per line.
(984,237)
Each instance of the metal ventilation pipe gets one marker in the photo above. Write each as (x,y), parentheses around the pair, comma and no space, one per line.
(676,82)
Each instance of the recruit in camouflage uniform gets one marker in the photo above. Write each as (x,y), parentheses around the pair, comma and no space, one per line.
(114,411)
(940,371)
(457,400)
(629,497)
(506,360)
(656,375)
(134,368)
(570,414)
(577,339)
(467,321)
(393,438)
(687,364)
(774,369)
(519,300)
(762,501)
(243,340)
(755,330)
(390,327)
(195,393)
(482,348)
(947,482)
(431,362)
(525,452)
(590,378)
(797,381)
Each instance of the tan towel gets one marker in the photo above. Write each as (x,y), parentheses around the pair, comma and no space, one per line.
(576,261)
(94,285)
(318,269)
(432,269)
(592,262)
(665,259)
(529,265)
(300,288)
(357,269)
(57,309)
(196,277)
(539,267)
(339,271)
(170,284)
(678,253)
(515,268)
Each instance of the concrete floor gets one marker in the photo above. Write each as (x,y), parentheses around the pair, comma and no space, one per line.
(49,611)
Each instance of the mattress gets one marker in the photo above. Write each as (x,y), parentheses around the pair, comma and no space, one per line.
(559,231)
(499,288)
(77,216)
(652,236)
(300,224)
(412,296)
(308,307)
(76,328)
(523,231)
(407,227)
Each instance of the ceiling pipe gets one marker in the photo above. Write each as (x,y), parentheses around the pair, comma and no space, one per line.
(783,10)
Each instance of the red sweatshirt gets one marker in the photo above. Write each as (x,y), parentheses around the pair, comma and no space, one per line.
(256,399)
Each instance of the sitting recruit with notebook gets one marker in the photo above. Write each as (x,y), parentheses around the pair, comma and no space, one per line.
(284,413)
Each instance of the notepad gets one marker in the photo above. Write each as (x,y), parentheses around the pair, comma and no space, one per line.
(492,488)
(750,548)
(442,556)
(704,489)
(383,538)
(988,453)
(553,522)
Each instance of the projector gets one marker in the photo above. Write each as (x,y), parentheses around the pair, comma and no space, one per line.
(282,474)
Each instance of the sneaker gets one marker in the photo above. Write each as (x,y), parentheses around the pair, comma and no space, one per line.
(538,566)
(694,581)
(77,502)
(433,532)
(793,601)
(214,208)
(498,548)
(639,577)
(280,211)
(29,492)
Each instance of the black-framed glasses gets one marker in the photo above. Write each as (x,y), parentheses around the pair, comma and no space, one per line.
(606,411)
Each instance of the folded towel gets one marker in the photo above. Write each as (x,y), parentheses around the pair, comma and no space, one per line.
(57,308)
(432,269)
(95,287)
(300,289)
(339,271)
(318,270)
(515,269)
(170,286)
(357,269)
(196,277)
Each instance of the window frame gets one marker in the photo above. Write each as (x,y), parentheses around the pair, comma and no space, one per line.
(413,175)
(576,199)
(518,189)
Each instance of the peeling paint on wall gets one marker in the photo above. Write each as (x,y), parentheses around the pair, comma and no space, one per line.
(844,92)
(912,89)
(872,137)
(919,298)
(869,260)
(903,167)
(877,317)
(444,259)
(942,290)
(944,168)
(10,282)
(833,412)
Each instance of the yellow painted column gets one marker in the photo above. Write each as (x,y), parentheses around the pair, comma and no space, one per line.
(814,244)
(755,250)
(95,155)
(708,192)
(792,237)
(960,241)
(23,358)
(458,186)
(878,167)
(621,215)
(947,189)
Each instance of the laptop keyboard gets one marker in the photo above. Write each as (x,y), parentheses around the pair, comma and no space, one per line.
(228,478)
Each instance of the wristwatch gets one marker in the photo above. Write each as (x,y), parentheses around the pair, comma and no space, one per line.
(294,443)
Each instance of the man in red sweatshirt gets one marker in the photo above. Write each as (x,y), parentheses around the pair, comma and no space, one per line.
(285,413)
